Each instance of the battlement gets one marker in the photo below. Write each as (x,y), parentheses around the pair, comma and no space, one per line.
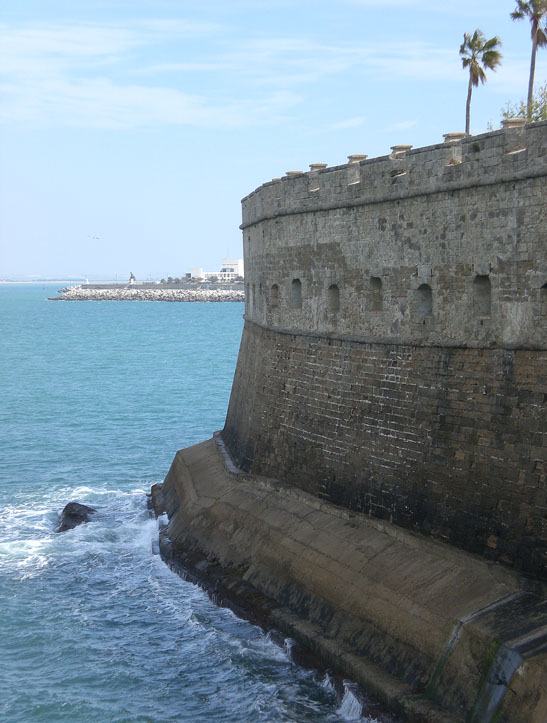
(496,157)
(444,245)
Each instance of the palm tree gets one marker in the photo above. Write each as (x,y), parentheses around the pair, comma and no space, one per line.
(478,53)
(535,11)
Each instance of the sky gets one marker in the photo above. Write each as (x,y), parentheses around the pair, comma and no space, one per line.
(131,129)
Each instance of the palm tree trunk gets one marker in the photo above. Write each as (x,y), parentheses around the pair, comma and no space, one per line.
(468,105)
(532,73)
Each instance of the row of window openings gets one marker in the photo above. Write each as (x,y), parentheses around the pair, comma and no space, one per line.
(423,297)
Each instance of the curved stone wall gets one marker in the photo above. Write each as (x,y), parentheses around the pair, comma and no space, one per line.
(471,236)
(394,355)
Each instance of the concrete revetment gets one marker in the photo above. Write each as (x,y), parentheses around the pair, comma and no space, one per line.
(390,397)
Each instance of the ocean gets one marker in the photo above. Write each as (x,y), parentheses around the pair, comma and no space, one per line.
(96,397)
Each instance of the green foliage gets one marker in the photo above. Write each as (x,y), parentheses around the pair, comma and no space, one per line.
(479,54)
(538,107)
(536,12)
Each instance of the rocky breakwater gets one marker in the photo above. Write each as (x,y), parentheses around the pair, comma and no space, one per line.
(79,293)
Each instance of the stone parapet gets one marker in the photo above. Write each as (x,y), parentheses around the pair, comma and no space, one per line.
(441,245)
(491,158)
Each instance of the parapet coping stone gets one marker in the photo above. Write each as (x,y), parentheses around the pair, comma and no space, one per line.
(442,145)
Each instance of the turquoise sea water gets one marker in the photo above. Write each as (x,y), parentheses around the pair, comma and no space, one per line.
(96,397)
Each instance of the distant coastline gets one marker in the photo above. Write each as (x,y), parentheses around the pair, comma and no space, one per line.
(39,282)
(149,293)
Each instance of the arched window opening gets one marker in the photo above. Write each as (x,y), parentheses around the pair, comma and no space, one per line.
(376,295)
(543,295)
(482,296)
(424,301)
(333,299)
(296,294)
(274,296)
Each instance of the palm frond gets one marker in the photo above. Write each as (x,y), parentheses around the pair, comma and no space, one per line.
(491,59)
(492,43)
(478,75)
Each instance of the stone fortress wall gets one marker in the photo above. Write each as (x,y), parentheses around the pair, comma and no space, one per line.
(394,357)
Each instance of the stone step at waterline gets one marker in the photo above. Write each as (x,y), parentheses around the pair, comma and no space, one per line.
(362,593)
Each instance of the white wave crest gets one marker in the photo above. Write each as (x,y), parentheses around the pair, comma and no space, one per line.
(351,708)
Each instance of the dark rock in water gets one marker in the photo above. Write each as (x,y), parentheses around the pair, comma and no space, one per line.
(73,515)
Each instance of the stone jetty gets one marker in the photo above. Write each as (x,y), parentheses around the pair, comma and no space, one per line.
(80,293)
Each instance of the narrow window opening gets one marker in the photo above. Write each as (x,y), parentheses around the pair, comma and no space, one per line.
(254,300)
(424,301)
(296,294)
(333,299)
(543,296)
(376,295)
(274,296)
(482,296)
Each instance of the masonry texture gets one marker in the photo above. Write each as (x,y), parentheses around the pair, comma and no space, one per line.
(394,354)
(390,397)
(435,633)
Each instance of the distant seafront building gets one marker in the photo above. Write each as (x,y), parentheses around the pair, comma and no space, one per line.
(230,270)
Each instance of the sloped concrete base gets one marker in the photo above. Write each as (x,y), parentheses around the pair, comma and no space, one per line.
(435,633)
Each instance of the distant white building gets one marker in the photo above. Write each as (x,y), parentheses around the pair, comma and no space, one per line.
(195,274)
(232,266)
(229,271)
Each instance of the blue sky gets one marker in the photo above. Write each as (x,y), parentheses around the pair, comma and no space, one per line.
(143,123)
